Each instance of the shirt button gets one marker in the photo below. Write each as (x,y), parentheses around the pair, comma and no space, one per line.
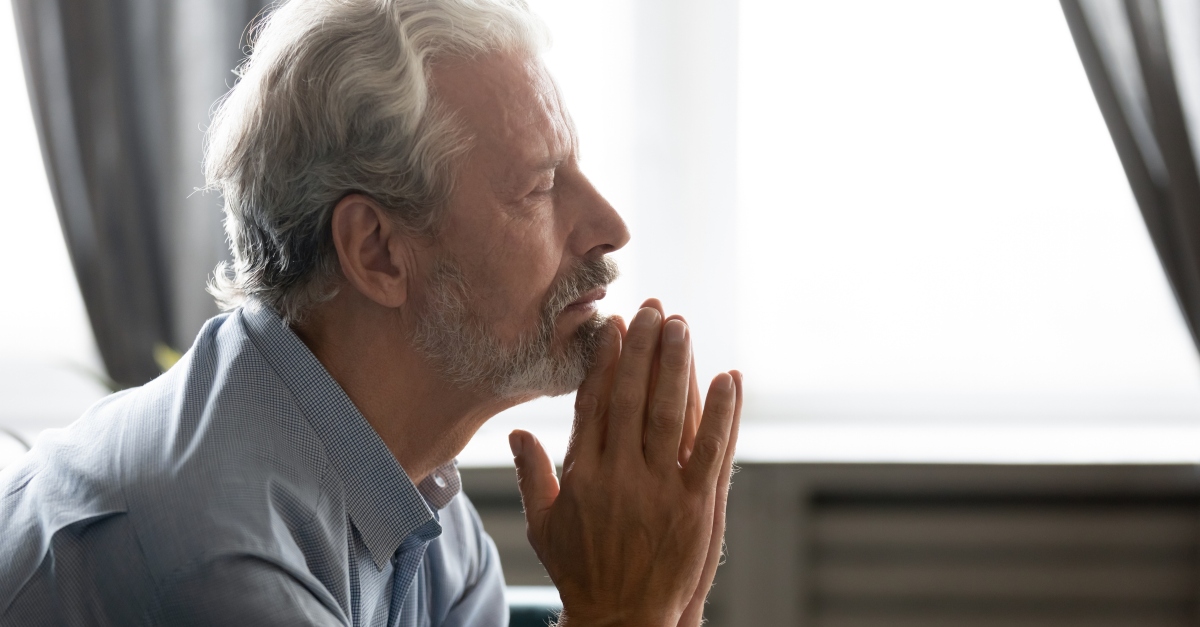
(441,483)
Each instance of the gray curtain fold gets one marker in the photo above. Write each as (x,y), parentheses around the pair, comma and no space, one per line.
(121,90)
(1143,63)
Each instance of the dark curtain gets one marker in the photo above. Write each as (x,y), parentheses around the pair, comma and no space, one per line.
(121,90)
(1143,63)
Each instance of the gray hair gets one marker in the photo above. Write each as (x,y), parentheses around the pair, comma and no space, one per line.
(335,99)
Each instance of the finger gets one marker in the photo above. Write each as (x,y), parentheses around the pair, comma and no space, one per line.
(664,420)
(694,611)
(691,417)
(712,439)
(723,480)
(535,477)
(716,545)
(654,303)
(627,403)
(726,475)
(587,432)
(735,424)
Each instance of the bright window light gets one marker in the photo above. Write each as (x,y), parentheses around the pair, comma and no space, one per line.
(931,227)
(934,224)
(939,257)
(46,344)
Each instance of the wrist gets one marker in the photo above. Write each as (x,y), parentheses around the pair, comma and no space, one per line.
(616,618)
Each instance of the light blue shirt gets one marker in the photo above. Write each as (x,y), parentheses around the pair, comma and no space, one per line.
(242,487)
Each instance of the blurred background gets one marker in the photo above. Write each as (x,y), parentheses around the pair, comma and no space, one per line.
(954,247)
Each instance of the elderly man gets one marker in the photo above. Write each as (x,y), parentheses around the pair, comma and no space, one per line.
(415,249)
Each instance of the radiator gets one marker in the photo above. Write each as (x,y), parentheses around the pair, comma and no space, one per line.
(1002,561)
(829,545)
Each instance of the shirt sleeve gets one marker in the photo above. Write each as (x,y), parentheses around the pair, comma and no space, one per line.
(242,590)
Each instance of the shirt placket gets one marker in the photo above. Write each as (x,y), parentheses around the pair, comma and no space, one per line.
(405,566)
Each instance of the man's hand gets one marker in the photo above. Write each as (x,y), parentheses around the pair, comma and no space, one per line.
(633,534)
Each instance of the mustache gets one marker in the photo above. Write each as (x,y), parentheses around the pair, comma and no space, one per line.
(583,278)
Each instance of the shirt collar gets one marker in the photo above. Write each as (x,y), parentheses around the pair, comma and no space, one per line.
(381,500)
(443,484)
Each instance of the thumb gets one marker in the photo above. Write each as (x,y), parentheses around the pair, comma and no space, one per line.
(535,476)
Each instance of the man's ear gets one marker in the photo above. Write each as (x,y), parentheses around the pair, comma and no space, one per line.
(375,256)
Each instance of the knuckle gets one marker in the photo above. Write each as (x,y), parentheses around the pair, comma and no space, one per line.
(664,414)
(586,404)
(723,403)
(675,359)
(707,450)
(626,402)
(640,342)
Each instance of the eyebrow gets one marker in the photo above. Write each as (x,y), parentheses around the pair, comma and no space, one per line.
(550,163)
(554,160)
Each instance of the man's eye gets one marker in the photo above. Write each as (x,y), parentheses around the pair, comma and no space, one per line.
(543,189)
(544,186)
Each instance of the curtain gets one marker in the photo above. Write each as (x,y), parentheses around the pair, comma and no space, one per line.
(120,91)
(1142,58)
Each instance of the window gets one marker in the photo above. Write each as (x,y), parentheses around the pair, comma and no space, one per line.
(938,257)
(904,221)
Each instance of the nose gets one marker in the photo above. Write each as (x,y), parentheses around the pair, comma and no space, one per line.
(598,228)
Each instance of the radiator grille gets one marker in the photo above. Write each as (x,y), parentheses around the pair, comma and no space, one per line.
(998,562)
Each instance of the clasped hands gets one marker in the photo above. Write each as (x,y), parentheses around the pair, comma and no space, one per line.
(632,534)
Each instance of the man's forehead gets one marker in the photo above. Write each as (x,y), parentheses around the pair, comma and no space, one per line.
(510,104)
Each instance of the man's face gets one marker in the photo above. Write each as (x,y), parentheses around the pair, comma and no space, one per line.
(509,295)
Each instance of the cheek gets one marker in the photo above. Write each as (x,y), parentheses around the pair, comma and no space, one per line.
(521,269)
(511,257)
(530,259)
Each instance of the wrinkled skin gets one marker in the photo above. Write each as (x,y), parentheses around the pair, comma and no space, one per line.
(632,534)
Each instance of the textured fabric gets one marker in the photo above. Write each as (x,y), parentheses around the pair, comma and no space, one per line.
(242,487)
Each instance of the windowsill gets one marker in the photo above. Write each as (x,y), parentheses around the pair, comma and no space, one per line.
(861,443)
(850,443)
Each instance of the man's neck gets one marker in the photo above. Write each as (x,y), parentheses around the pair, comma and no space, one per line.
(421,418)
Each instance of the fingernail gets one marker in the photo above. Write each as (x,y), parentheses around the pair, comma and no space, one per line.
(514,443)
(645,316)
(725,381)
(674,331)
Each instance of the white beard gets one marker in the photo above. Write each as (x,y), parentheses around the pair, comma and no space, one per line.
(468,354)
